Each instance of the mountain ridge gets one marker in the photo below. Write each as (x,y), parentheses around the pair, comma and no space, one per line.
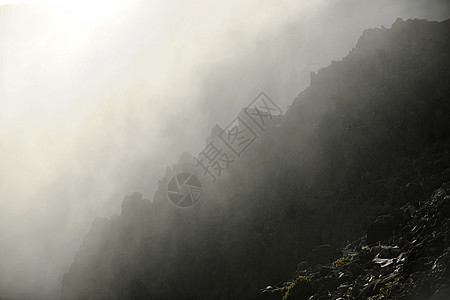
(357,132)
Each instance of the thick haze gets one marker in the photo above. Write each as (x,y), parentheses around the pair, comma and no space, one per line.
(96,99)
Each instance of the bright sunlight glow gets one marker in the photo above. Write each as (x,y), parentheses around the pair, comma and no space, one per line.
(88,12)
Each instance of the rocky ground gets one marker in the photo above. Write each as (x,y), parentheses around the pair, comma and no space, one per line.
(404,255)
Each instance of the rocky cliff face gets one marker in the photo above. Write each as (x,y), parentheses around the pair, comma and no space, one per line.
(404,255)
(369,136)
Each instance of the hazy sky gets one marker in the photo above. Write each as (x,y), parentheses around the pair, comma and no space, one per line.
(98,97)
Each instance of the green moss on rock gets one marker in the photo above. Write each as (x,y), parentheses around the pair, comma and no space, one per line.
(299,289)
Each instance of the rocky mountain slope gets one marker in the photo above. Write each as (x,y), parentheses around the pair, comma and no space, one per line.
(370,135)
(404,255)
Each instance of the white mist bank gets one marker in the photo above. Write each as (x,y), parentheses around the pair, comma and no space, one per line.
(97,98)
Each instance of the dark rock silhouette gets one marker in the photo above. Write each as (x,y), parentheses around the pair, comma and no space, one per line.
(369,137)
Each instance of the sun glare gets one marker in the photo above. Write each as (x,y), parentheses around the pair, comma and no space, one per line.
(87,12)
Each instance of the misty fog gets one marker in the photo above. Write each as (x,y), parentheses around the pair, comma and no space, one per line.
(96,99)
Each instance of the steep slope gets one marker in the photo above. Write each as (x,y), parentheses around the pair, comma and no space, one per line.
(405,255)
(368,135)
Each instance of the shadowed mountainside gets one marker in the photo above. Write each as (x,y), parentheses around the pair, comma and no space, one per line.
(368,135)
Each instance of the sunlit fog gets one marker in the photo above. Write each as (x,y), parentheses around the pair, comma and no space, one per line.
(97,98)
